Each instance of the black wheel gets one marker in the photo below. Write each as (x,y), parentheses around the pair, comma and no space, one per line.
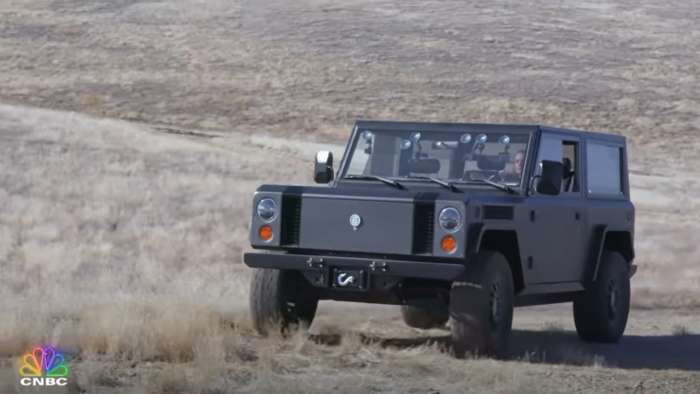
(600,313)
(280,300)
(424,317)
(481,307)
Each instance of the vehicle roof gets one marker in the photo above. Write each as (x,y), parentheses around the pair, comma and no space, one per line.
(474,127)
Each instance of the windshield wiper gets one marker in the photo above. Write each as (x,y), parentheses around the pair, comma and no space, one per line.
(439,181)
(388,181)
(497,185)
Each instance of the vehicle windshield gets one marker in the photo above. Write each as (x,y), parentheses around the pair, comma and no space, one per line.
(469,157)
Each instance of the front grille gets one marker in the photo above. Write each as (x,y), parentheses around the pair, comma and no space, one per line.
(291,219)
(423,228)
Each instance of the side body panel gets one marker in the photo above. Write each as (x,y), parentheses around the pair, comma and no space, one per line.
(606,214)
(551,229)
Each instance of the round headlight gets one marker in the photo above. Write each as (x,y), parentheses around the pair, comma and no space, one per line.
(267,209)
(450,219)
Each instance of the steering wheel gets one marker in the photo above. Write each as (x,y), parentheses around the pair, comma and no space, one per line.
(485,174)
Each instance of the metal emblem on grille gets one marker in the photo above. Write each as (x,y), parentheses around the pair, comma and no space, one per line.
(355,221)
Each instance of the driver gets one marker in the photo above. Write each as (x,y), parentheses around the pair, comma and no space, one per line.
(515,175)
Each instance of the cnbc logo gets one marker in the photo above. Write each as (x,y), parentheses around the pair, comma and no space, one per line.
(43,366)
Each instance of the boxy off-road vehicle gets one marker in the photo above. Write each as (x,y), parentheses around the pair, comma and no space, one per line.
(454,222)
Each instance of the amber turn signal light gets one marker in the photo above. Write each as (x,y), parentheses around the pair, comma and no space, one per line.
(448,244)
(265,232)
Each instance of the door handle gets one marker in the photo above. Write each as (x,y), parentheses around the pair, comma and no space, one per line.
(532,215)
(577,216)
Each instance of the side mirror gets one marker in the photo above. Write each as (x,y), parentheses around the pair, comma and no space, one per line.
(550,180)
(323,167)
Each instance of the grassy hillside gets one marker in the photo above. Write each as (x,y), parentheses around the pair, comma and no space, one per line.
(314,66)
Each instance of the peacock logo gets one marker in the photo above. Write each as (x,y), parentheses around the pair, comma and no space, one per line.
(43,366)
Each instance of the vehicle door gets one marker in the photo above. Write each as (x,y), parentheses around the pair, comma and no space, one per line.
(554,228)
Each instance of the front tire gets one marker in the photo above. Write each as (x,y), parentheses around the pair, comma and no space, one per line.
(481,307)
(281,300)
(601,312)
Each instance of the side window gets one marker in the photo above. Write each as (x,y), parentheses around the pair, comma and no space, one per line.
(604,169)
(556,148)
(550,149)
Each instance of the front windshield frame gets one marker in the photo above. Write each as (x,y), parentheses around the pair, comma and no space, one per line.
(457,129)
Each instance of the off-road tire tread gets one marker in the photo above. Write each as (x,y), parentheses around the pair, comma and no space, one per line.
(591,308)
(270,291)
(470,321)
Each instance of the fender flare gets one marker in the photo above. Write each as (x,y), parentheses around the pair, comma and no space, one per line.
(600,237)
(476,241)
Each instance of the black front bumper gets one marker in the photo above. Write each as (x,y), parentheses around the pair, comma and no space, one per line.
(379,273)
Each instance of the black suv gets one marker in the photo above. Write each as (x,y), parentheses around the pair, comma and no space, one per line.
(454,222)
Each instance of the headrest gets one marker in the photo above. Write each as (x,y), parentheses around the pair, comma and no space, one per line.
(568,166)
(491,162)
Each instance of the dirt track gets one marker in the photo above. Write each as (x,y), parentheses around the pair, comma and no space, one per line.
(130,234)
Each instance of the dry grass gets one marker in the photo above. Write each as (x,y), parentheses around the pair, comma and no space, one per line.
(553,326)
(680,330)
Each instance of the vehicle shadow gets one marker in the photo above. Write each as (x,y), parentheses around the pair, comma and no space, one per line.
(564,347)
(632,352)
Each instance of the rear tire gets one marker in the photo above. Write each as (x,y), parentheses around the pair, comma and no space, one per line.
(281,300)
(424,317)
(601,312)
(481,307)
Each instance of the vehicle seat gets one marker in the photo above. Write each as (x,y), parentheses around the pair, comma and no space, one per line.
(568,179)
